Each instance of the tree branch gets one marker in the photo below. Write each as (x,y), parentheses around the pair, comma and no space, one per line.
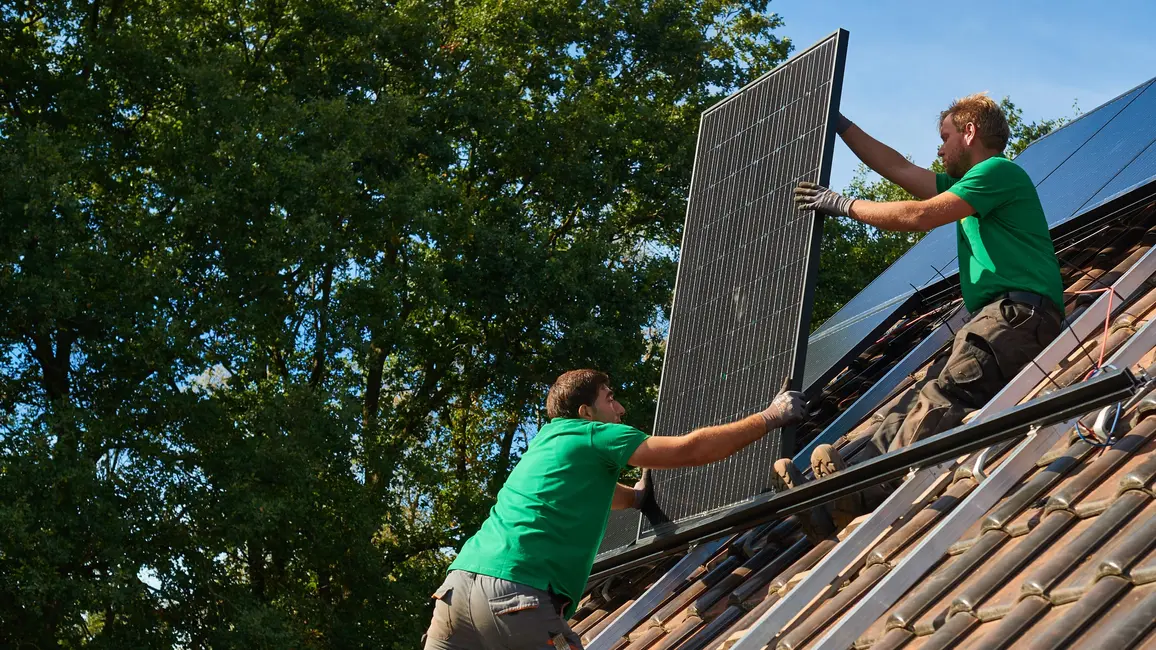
(320,344)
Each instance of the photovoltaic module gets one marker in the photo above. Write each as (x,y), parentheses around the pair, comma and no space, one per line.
(746,273)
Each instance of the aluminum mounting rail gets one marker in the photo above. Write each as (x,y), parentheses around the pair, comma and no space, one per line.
(933,546)
(856,545)
(655,595)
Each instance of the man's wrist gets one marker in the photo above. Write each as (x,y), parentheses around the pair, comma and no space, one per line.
(769,420)
(842,124)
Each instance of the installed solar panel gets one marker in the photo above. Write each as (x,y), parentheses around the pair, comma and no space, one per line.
(1076,168)
(748,260)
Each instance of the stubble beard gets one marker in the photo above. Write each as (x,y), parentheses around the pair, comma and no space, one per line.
(960,166)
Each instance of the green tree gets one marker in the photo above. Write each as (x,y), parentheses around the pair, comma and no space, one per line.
(285,282)
(853,254)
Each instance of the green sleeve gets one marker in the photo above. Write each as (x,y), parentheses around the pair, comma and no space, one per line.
(984,188)
(616,442)
(943,182)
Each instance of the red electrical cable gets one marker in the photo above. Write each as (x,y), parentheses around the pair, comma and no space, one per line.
(1107,326)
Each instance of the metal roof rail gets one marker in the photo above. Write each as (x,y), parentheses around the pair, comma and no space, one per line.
(653,597)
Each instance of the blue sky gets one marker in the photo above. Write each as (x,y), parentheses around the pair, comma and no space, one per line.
(907,60)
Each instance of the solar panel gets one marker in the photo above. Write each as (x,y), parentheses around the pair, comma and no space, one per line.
(1076,168)
(621,530)
(748,261)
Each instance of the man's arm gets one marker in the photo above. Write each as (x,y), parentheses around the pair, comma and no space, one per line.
(624,497)
(709,444)
(698,447)
(907,216)
(887,162)
(911,216)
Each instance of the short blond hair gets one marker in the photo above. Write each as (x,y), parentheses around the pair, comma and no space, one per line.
(987,116)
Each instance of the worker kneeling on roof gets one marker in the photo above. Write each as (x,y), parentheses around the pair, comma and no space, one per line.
(1008,273)
(518,579)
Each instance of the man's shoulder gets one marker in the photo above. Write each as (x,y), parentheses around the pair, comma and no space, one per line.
(567,425)
(575,425)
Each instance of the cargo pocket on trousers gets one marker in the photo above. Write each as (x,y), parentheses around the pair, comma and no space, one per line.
(972,372)
(441,625)
(1014,313)
(512,604)
(966,367)
(523,622)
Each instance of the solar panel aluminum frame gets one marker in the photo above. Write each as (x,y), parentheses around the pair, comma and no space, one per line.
(811,256)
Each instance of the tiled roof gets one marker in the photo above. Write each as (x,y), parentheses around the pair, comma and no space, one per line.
(1066,558)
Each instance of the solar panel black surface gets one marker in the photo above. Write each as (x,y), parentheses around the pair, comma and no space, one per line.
(1044,156)
(621,530)
(1076,168)
(748,260)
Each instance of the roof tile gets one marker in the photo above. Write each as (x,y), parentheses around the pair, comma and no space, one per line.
(724,587)
(1090,476)
(920,522)
(1079,615)
(773,569)
(704,636)
(830,611)
(1132,544)
(931,590)
(1063,560)
(1011,626)
(1133,619)
(1000,573)
(1141,477)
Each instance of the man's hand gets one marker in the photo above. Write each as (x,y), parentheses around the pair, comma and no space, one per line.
(788,407)
(810,196)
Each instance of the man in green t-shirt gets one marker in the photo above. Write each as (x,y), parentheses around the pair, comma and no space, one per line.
(519,578)
(1008,272)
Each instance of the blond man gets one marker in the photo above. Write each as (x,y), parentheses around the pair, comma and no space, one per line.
(1008,272)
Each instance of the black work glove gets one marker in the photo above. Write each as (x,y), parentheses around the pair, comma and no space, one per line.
(811,196)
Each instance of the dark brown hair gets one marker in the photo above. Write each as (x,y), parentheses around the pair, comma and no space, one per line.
(573,389)
(988,118)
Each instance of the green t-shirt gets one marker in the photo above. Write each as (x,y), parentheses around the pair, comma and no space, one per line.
(548,523)
(1005,246)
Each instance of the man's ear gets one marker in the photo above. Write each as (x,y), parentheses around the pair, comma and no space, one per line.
(585,412)
(969,133)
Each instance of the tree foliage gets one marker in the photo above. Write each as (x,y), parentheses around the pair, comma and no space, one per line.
(853,254)
(285,281)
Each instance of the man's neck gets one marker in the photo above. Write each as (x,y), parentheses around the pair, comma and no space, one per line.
(980,155)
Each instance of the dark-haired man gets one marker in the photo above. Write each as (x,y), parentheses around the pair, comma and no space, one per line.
(1008,272)
(518,579)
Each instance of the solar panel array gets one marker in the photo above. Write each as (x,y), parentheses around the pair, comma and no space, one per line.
(1077,168)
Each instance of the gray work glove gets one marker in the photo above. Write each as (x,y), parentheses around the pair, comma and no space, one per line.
(811,196)
(789,407)
(641,490)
